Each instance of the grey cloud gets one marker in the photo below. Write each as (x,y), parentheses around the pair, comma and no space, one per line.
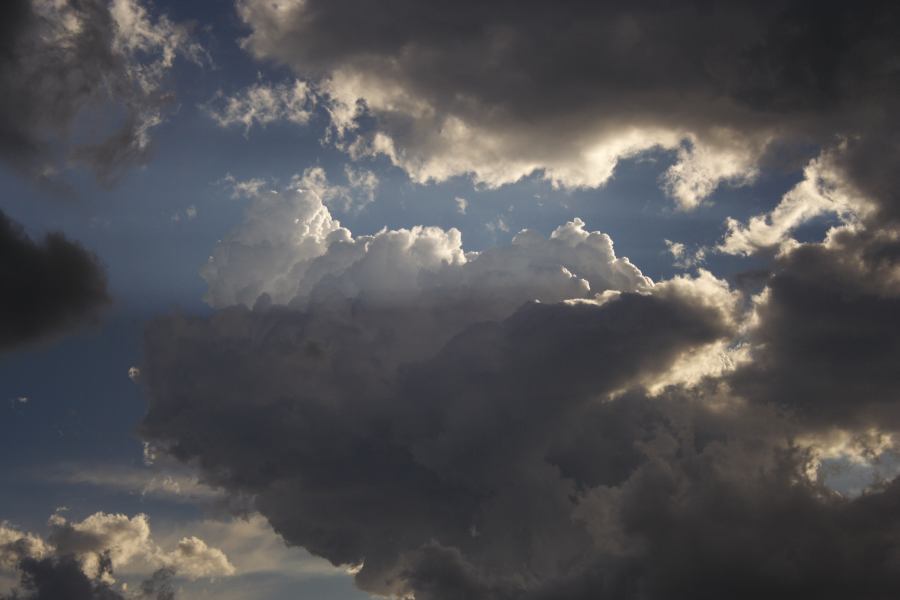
(61,577)
(53,578)
(50,287)
(363,463)
(504,89)
(828,340)
(59,60)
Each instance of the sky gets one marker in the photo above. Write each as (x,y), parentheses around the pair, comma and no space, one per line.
(336,299)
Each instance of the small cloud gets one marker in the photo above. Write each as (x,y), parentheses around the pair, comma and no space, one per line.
(498,225)
(683,258)
(461,205)
(188,214)
(247,188)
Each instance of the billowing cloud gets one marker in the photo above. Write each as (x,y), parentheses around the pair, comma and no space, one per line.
(49,287)
(391,400)
(293,250)
(505,90)
(61,60)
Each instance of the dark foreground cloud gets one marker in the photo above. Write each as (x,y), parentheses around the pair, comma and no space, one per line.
(55,578)
(90,58)
(504,89)
(49,287)
(828,341)
(62,578)
(540,420)
(367,466)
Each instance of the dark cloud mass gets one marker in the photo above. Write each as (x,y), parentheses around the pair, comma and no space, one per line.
(363,465)
(828,343)
(501,89)
(49,287)
(63,578)
(55,578)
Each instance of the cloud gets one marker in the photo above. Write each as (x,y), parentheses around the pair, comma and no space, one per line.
(825,343)
(391,397)
(501,92)
(127,543)
(64,61)
(261,104)
(174,485)
(823,190)
(78,559)
(350,198)
(540,420)
(293,250)
(50,287)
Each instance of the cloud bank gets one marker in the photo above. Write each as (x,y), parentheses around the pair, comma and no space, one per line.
(502,91)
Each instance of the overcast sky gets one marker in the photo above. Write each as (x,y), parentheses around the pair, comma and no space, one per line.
(338,299)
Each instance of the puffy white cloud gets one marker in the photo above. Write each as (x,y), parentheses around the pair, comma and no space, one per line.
(291,249)
(128,543)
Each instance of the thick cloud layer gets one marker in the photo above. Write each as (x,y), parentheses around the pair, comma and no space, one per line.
(62,60)
(49,287)
(504,89)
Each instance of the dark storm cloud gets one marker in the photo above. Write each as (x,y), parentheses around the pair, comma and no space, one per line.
(62,578)
(502,88)
(828,342)
(54,578)
(49,287)
(60,60)
(362,464)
